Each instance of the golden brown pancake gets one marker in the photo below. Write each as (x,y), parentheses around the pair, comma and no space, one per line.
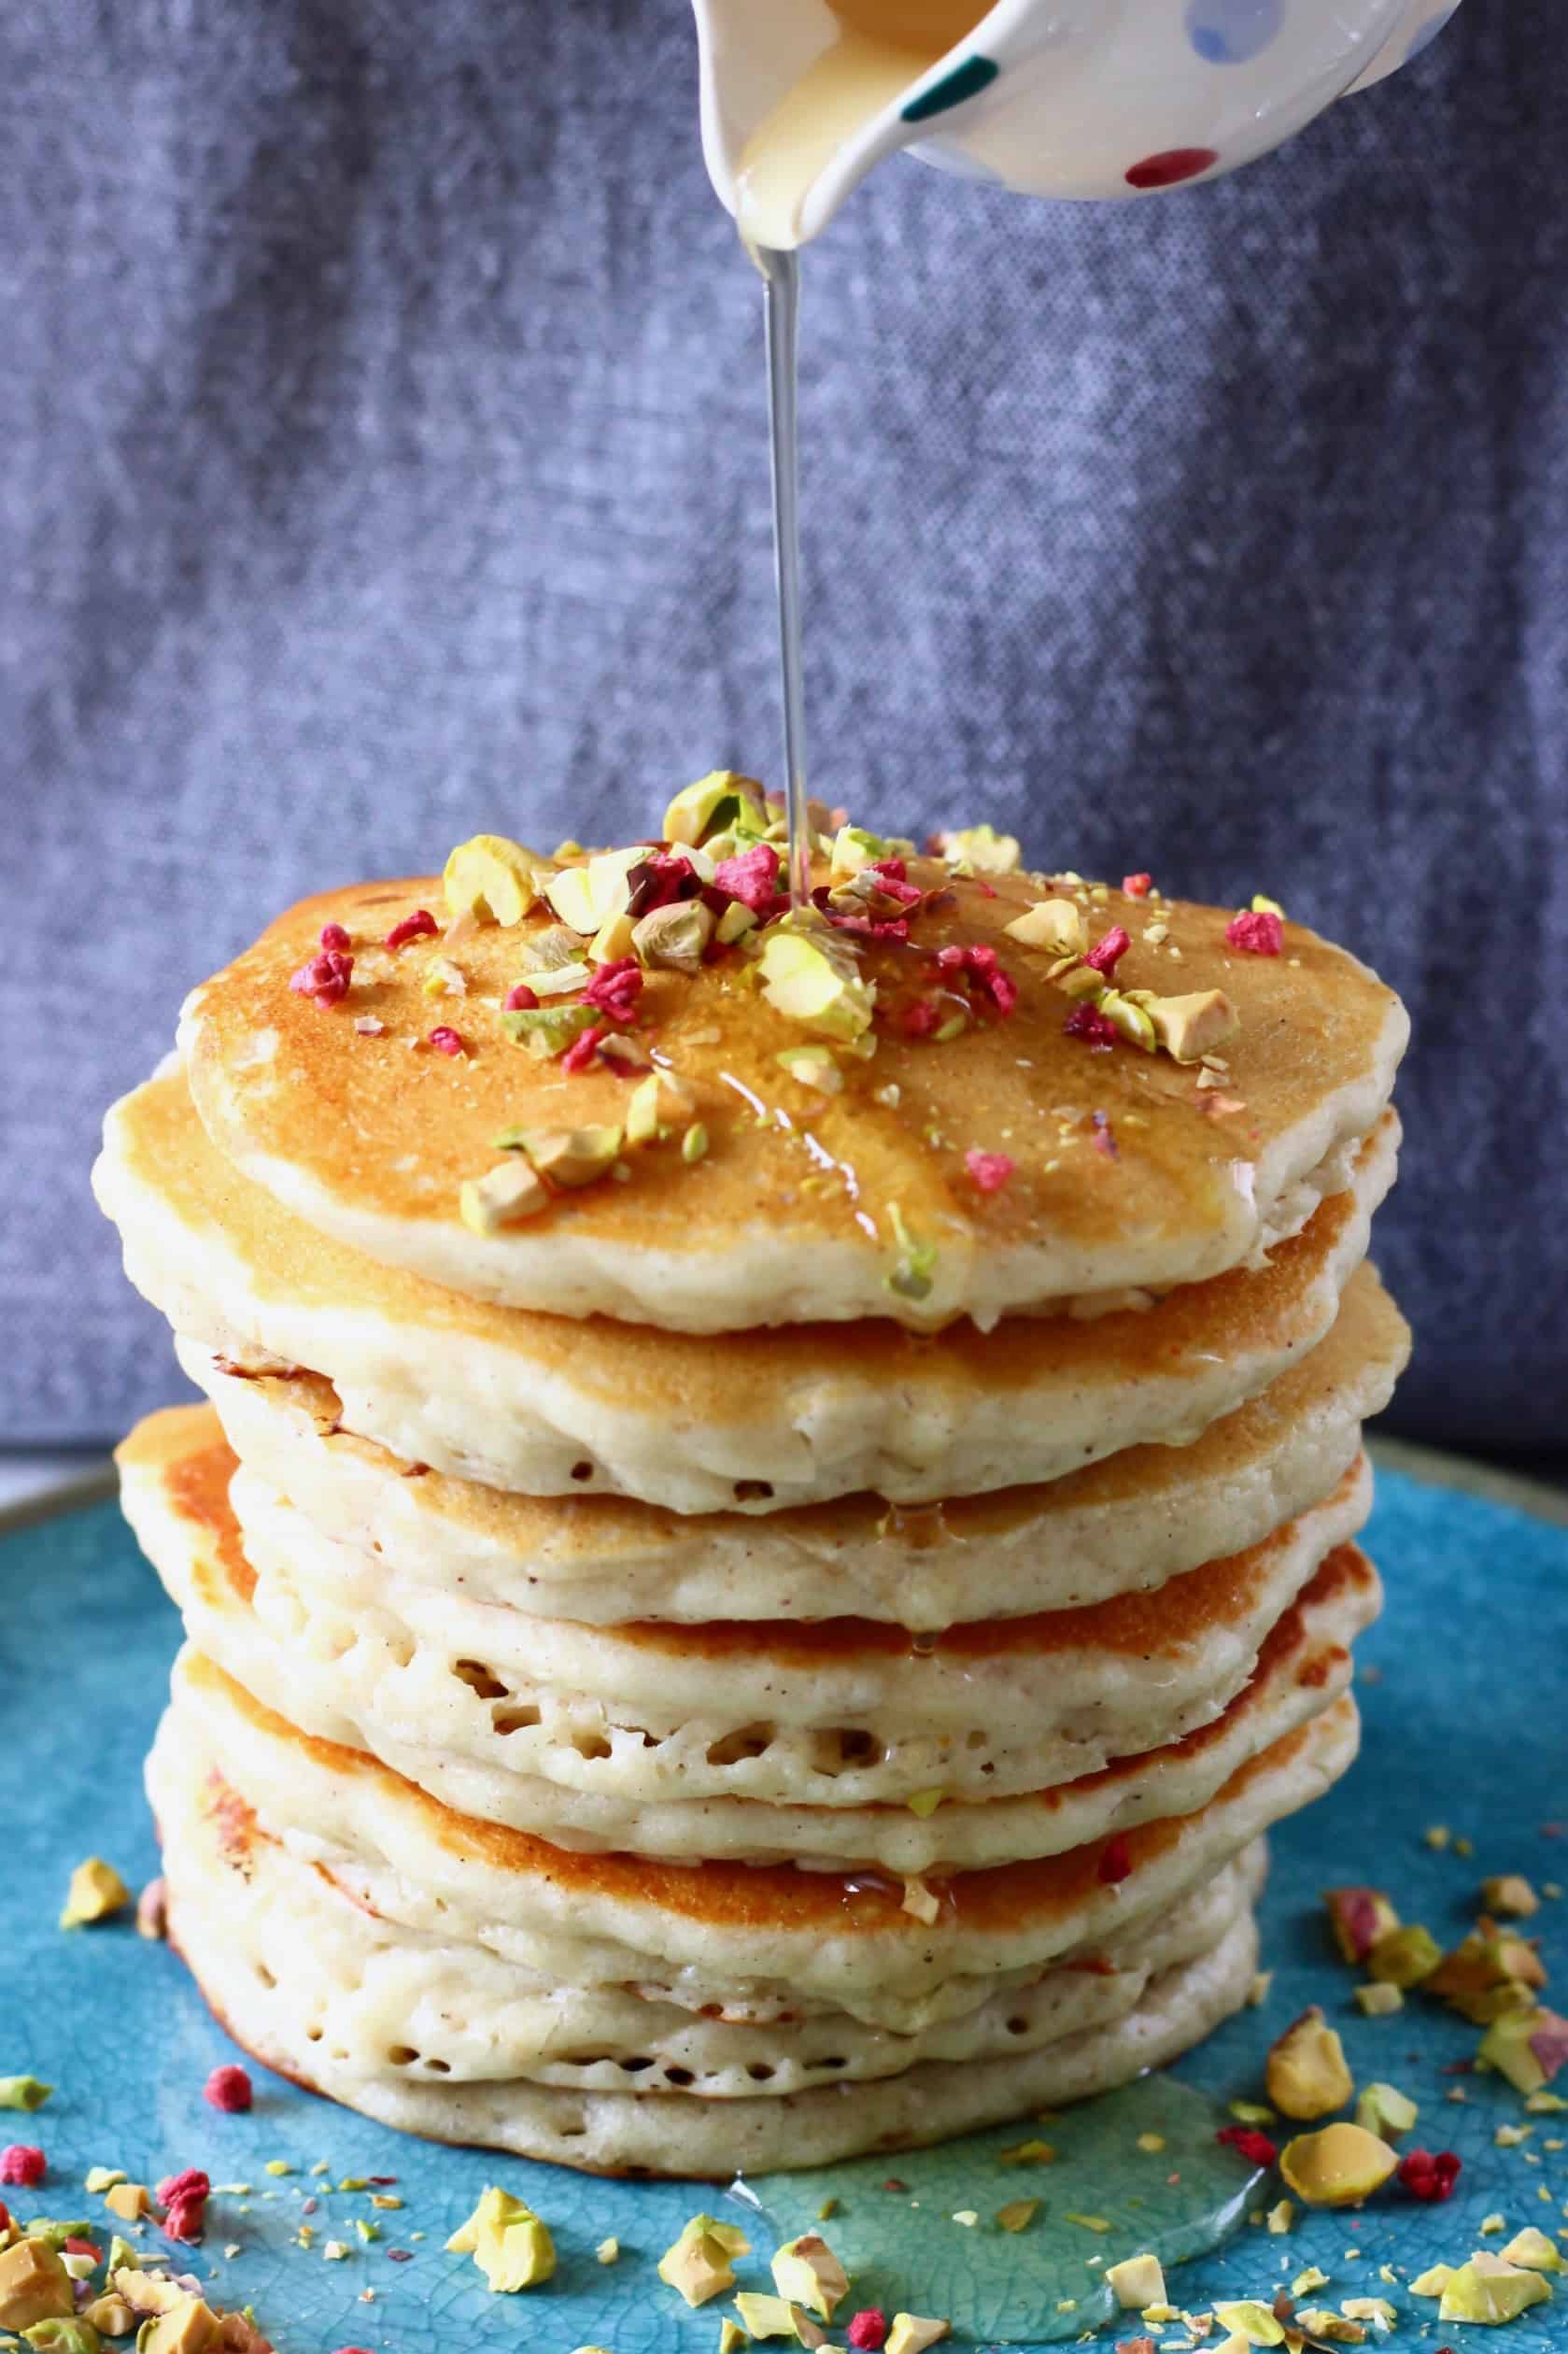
(1128,1171)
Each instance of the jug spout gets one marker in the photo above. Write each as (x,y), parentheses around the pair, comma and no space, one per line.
(1068,98)
(801,98)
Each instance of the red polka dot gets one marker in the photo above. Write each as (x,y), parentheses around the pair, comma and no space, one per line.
(1170,169)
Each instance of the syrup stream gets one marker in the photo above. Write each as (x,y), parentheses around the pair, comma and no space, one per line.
(780,273)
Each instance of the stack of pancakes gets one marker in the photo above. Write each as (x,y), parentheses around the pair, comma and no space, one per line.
(792,1648)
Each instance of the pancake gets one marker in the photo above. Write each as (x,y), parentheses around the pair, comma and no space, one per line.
(790,1216)
(736,1931)
(767,1419)
(1123,1524)
(366,1987)
(666,2135)
(584,1768)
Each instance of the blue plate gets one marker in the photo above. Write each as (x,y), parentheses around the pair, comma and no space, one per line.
(1465,1690)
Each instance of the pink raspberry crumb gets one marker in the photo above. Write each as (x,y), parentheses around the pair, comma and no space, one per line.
(582,1052)
(1248,2143)
(1088,1023)
(229,2089)
(752,876)
(990,1171)
(22,2163)
(615,989)
(1138,885)
(921,1018)
(334,936)
(325,978)
(85,2247)
(868,2331)
(448,1041)
(185,2218)
(1107,951)
(521,999)
(1429,2176)
(190,2184)
(419,926)
(1256,931)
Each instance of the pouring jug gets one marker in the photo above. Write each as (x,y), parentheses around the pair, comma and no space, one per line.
(1072,98)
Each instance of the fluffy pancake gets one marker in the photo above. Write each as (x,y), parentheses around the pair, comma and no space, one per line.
(790,1216)
(848,1938)
(552,1406)
(861,1729)
(367,1987)
(1122,1525)
(655,2134)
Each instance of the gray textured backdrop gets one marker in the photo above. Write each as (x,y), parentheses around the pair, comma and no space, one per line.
(381,457)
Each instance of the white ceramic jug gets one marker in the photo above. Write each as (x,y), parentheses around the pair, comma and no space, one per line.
(1074,98)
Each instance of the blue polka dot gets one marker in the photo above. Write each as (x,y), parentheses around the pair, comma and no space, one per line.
(1233,31)
(1429,32)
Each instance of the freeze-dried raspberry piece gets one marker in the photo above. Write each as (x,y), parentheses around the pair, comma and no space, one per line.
(1259,934)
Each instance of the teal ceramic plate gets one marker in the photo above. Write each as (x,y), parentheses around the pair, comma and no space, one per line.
(1466,1697)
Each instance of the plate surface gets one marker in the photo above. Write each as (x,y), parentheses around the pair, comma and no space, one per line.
(1465,1707)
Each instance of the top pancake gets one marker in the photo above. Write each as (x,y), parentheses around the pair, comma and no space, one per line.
(1127,1172)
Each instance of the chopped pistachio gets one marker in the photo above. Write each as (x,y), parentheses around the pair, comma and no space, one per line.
(1404,1957)
(1086,2223)
(608,2252)
(1488,1972)
(1385,2112)
(1191,1027)
(811,976)
(1250,2112)
(1534,2251)
(570,894)
(76,2336)
(1250,2321)
(1357,1918)
(130,2201)
(1379,1999)
(912,2332)
(1133,1021)
(734,923)
(813,1067)
(1307,2074)
(731,2336)
(1432,2282)
(1151,2142)
(1281,2217)
(1528,2047)
(925,1803)
(23,2093)
(96,1890)
(641,1110)
(1486,2289)
(699,2262)
(673,938)
(917,1259)
(1055,925)
(1304,2282)
(189,2327)
(110,2316)
(854,849)
(546,1030)
(982,849)
(722,799)
(612,939)
(505,1196)
(1369,2309)
(1321,2322)
(493,879)
(508,2242)
(1080,981)
(568,1156)
(1028,2153)
(1511,1892)
(34,2286)
(807,2271)
(102,2178)
(1338,2166)
(624,1053)
(763,2317)
(1136,2282)
(1018,2214)
(556,949)
(694,1144)
(921,1902)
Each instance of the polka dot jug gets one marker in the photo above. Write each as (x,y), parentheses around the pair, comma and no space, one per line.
(1072,98)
